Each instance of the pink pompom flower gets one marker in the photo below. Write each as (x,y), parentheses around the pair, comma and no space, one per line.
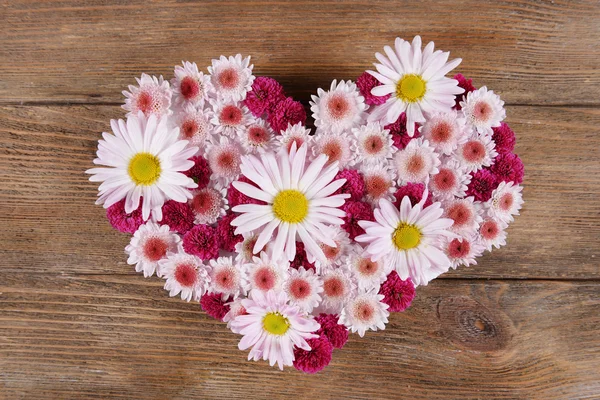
(287,112)
(313,360)
(214,305)
(354,186)
(201,241)
(178,216)
(365,82)
(122,221)
(266,93)
(332,329)
(398,293)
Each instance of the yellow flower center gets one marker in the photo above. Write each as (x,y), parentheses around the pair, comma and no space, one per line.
(406,236)
(275,323)
(144,169)
(410,88)
(290,206)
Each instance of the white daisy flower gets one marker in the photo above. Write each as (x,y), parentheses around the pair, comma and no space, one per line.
(264,273)
(303,288)
(152,97)
(300,202)
(185,274)
(416,80)
(408,238)
(492,233)
(226,278)
(463,250)
(338,288)
(229,118)
(369,274)
(451,180)
(224,158)
(231,77)
(416,162)
(380,182)
(445,131)
(465,214)
(484,110)
(272,327)
(334,255)
(190,86)
(257,137)
(367,311)
(477,152)
(374,144)
(144,159)
(194,126)
(295,134)
(208,205)
(505,202)
(340,147)
(150,244)
(339,109)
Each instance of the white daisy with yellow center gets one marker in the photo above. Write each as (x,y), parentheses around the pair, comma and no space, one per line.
(408,238)
(145,160)
(300,202)
(416,80)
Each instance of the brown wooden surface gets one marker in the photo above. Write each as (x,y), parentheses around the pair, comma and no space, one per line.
(75,322)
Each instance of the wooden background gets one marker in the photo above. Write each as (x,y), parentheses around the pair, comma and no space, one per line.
(77,322)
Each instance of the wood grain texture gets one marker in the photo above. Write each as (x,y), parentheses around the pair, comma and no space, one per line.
(122,337)
(532,51)
(51,224)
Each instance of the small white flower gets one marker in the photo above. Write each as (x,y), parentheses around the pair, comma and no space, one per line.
(295,134)
(505,202)
(380,182)
(231,77)
(303,287)
(340,147)
(265,274)
(185,274)
(465,214)
(226,278)
(416,162)
(492,233)
(374,144)
(484,110)
(463,250)
(229,118)
(208,205)
(257,137)
(339,109)
(367,311)
(150,244)
(477,152)
(368,273)
(451,180)
(152,97)
(194,126)
(338,287)
(190,86)
(445,131)
(224,158)
(334,255)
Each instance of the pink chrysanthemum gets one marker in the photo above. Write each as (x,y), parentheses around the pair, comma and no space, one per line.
(414,191)
(465,84)
(301,259)
(122,221)
(153,96)
(235,197)
(214,305)
(398,294)
(354,186)
(504,137)
(200,172)
(492,232)
(508,167)
(178,216)
(265,94)
(399,132)
(286,112)
(483,183)
(226,234)
(313,360)
(365,82)
(463,251)
(224,158)
(356,211)
(336,333)
(201,241)
(465,213)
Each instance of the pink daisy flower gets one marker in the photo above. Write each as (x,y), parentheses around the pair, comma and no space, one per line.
(374,144)
(264,274)
(303,288)
(505,202)
(208,205)
(190,86)
(416,162)
(272,328)
(450,181)
(339,109)
(367,311)
(194,126)
(445,131)
(226,278)
(484,110)
(257,137)
(152,96)
(295,134)
(492,233)
(465,214)
(231,77)
(463,250)
(224,158)
(338,287)
(185,274)
(477,152)
(380,182)
(229,118)
(368,273)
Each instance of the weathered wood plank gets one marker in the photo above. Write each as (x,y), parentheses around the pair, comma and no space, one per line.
(530,51)
(110,336)
(50,223)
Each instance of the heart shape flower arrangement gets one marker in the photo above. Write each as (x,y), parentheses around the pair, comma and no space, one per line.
(296,239)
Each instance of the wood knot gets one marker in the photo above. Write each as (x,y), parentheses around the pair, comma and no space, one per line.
(471,325)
